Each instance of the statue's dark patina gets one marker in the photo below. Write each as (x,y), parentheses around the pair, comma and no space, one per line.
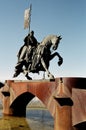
(34,57)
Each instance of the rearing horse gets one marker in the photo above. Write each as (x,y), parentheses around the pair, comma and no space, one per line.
(42,56)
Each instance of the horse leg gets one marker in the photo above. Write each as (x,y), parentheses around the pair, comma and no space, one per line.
(45,67)
(26,71)
(60,58)
(55,54)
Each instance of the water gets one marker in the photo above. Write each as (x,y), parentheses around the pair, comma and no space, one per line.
(36,119)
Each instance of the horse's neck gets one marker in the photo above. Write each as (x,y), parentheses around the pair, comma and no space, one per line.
(47,41)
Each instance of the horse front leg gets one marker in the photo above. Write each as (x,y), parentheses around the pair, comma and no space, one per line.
(47,71)
(26,71)
(60,58)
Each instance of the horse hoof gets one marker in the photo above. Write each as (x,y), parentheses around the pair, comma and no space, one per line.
(53,79)
(29,78)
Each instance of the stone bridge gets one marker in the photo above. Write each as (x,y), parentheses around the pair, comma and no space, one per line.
(63,97)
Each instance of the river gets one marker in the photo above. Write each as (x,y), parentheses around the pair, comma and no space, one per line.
(36,119)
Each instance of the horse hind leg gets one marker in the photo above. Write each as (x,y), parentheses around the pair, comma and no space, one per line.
(48,73)
(26,74)
(28,77)
(50,76)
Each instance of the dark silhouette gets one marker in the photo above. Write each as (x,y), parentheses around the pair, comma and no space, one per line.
(34,57)
(25,53)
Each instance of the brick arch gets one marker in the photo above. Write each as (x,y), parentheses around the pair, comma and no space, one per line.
(18,106)
(44,90)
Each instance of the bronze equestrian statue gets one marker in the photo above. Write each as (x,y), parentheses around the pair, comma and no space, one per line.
(34,57)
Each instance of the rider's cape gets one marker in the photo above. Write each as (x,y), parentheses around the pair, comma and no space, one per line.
(22,52)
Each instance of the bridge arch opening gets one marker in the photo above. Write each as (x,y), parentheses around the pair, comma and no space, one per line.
(36,102)
(38,115)
(81,126)
(27,100)
(18,106)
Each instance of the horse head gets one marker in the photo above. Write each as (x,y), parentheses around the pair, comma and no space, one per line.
(55,42)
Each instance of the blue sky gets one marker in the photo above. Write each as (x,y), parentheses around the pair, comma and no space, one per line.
(62,17)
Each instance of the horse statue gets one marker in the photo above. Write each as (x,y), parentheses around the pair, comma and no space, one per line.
(40,59)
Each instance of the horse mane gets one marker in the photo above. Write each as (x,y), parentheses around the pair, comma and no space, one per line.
(48,39)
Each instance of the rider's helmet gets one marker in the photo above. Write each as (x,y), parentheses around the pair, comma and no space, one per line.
(32,33)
